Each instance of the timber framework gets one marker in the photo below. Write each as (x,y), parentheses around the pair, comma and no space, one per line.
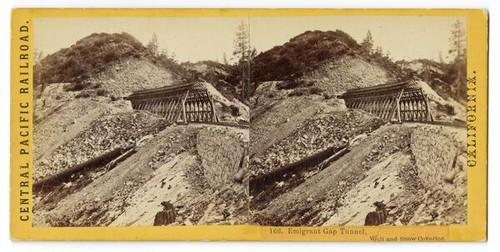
(401,101)
(189,102)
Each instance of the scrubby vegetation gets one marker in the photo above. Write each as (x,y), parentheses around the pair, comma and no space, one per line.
(95,53)
(305,53)
(291,63)
(302,53)
(447,79)
(88,55)
(310,51)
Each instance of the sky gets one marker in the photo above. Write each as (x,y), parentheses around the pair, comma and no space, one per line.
(209,38)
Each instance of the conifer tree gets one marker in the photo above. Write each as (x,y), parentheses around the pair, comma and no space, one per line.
(367,44)
(244,54)
(458,40)
(153,45)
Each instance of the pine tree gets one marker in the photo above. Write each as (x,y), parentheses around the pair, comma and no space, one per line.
(458,40)
(378,52)
(173,57)
(387,54)
(459,64)
(164,52)
(153,45)
(367,44)
(224,59)
(244,54)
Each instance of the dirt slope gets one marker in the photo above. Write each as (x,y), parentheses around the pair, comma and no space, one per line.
(276,115)
(87,56)
(347,72)
(59,117)
(317,133)
(381,183)
(332,61)
(383,167)
(126,76)
(443,108)
(281,119)
(167,166)
(224,103)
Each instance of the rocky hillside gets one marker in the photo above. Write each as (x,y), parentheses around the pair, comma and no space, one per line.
(303,53)
(80,115)
(447,79)
(317,63)
(391,165)
(180,164)
(295,116)
(118,63)
(115,65)
(297,83)
(122,78)
(176,163)
(347,72)
(331,61)
(89,55)
(223,77)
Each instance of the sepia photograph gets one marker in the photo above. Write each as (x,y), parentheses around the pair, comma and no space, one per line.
(294,126)
(359,121)
(272,121)
(140,122)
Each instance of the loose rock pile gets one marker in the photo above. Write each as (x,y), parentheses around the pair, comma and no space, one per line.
(123,78)
(103,134)
(178,140)
(344,73)
(324,131)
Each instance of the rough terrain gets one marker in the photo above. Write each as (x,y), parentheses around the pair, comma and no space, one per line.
(80,114)
(341,74)
(176,163)
(389,165)
(124,77)
(297,115)
(168,166)
(418,170)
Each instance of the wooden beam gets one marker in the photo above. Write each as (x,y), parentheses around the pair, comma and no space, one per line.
(398,106)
